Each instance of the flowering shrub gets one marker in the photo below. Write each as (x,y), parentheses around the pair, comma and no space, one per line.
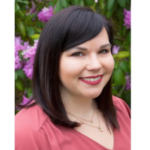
(127,18)
(29,54)
(30,18)
(45,14)
(115,49)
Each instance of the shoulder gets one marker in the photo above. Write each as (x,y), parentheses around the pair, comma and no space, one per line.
(27,125)
(121,105)
(32,117)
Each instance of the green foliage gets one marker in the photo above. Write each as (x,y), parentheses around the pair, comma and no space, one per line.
(119,76)
(29,28)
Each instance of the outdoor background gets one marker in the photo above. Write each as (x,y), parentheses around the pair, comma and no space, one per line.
(32,15)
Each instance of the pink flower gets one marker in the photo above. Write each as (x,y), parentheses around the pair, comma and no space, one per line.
(45,14)
(127,18)
(25,46)
(128,82)
(18,43)
(17,61)
(96,1)
(30,50)
(115,49)
(29,54)
(18,47)
(25,100)
(28,68)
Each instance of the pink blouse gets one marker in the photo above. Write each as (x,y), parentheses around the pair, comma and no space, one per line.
(35,131)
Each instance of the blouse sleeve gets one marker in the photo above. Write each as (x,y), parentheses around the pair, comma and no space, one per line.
(26,138)
(126,108)
(121,104)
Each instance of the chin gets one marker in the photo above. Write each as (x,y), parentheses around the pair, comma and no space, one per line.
(92,94)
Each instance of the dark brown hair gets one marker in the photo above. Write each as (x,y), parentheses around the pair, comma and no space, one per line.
(67,28)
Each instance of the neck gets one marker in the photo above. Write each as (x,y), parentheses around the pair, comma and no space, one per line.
(79,106)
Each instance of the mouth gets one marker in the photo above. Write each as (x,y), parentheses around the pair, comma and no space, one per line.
(92,80)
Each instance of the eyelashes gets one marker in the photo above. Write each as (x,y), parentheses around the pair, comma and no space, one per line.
(79,54)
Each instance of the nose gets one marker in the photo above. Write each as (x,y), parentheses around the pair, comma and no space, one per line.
(94,63)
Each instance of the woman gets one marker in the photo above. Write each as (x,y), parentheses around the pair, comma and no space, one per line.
(73,108)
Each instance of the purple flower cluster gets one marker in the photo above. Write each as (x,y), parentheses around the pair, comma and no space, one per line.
(29,54)
(128,82)
(45,14)
(19,45)
(127,18)
(25,100)
(96,1)
(115,49)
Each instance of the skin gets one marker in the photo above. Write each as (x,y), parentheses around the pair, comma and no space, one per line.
(78,96)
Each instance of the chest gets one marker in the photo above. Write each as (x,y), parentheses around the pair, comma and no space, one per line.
(105,138)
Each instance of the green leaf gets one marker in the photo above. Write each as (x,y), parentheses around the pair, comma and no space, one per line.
(25,2)
(77,2)
(21,73)
(29,92)
(109,14)
(58,6)
(122,54)
(16,75)
(51,4)
(124,30)
(110,4)
(114,91)
(35,36)
(21,27)
(81,3)
(128,38)
(37,30)
(124,66)
(20,13)
(30,31)
(128,1)
(130,65)
(17,7)
(122,3)
(19,85)
(54,2)
(28,18)
(119,76)
(89,2)
(64,3)
(116,65)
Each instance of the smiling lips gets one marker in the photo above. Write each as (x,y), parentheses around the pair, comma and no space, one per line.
(92,80)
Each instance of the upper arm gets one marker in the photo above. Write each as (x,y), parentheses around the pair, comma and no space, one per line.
(122,106)
(126,107)
(26,138)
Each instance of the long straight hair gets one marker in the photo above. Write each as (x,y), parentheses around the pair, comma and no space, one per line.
(67,28)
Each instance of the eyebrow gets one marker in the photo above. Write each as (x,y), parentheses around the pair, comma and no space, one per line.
(85,49)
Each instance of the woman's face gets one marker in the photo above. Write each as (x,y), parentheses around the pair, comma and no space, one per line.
(78,64)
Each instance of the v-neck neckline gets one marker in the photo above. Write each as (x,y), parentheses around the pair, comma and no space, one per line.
(97,142)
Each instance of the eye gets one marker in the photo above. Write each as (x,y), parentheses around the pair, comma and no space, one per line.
(77,54)
(104,51)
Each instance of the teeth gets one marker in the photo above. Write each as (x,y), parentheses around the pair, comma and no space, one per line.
(91,79)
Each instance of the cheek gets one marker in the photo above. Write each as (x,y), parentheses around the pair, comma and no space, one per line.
(69,69)
(108,63)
